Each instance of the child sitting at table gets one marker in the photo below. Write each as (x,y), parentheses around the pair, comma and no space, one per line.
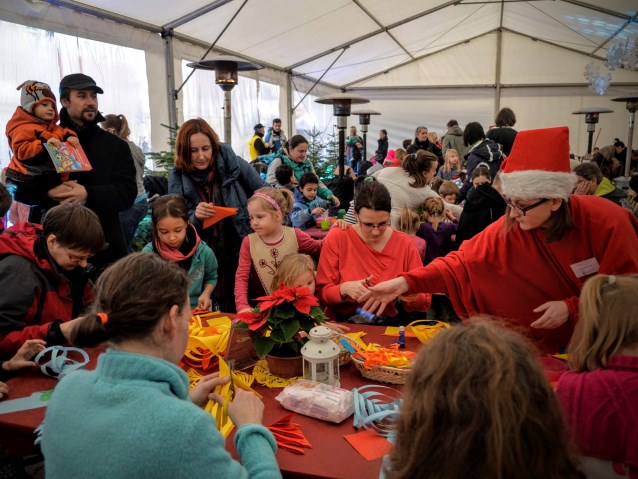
(600,394)
(439,235)
(136,404)
(409,223)
(175,239)
(478,404)
(261,252)
(298,271)
(307,206)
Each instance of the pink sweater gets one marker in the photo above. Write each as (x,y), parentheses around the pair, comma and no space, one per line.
(601,406)
(306,244)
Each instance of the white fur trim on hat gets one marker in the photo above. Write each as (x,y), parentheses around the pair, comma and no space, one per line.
(533,184)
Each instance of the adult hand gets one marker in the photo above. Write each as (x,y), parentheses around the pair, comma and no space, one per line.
(355,289)
(69,192)
(377,297)
(201,393)
(204,302)
(245,408)
(317,211)
(23,357)
(4,390)
(555,314)
(582,188)
(204,210)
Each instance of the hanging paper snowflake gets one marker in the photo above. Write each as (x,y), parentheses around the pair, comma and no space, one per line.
(598,82)
(615,56)
(630,60)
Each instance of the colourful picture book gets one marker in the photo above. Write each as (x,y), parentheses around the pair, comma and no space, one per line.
(68,158)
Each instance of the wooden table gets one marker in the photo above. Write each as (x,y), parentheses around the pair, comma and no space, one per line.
(330,457)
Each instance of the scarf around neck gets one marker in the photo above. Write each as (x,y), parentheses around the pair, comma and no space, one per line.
(175,255)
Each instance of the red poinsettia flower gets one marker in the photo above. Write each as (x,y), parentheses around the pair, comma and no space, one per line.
(303,299)
(276,298)
(253,320)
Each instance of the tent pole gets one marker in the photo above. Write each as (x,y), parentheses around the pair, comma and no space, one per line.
(167,35)
(289,110)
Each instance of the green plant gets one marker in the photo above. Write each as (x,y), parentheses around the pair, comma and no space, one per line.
(322,164)
(280,318)
(164,160)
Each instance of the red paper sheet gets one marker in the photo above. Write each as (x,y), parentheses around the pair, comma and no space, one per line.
(221,212)
(370,445)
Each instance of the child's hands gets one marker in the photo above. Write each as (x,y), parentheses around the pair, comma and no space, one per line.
(23,357)
(338,327)
(74,140)
(4,389)
(342,224)
(318,211)
(334,200)
(204,302)
(54,142)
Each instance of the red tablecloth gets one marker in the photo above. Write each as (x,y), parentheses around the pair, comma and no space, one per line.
(316,233)
(330,457)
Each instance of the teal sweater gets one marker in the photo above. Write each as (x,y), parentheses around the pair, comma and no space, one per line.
(132,417)
(203,270)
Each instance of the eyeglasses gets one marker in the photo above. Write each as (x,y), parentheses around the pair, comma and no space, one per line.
(77,259)
(371,226)
(522,210)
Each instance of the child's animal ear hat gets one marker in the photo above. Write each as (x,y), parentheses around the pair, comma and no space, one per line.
(34,92)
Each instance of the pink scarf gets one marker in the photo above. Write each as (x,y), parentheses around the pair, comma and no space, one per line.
(174,255)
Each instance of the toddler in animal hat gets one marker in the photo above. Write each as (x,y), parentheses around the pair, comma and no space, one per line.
(31,171)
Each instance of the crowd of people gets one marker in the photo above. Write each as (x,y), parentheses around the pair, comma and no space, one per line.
(496,222)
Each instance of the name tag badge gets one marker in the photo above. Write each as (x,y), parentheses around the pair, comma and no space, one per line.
(585,268)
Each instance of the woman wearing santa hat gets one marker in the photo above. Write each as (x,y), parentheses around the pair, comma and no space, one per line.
(528,267)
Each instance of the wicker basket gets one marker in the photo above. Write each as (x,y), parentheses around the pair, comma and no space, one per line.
(384,374)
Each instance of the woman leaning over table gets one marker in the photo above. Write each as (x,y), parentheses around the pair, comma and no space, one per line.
(207,173)
(366,253)
(133,416)
(295,155)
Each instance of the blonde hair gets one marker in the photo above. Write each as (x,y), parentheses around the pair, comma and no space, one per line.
(433,209)
(290,268)
(283,197)
(608,321)
(433,136)
(409,221)
(400,154)
(446,164)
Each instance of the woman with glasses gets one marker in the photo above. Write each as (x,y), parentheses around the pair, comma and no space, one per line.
(365,254)
(528,267)
(43,276)
(409,184)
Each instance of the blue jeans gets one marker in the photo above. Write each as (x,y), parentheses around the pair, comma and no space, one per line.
(131,218)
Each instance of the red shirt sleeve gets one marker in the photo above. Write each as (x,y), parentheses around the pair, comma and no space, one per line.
(242,276)
(307,244)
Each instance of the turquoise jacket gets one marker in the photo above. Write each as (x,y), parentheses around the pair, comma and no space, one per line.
(298,170)
(132,417)
(203,270)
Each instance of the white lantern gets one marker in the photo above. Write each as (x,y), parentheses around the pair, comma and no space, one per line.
(321,357)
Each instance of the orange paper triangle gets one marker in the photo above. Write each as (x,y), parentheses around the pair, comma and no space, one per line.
(370,445)
(221,212)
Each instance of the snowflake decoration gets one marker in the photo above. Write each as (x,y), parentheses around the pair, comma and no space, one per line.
(598,82)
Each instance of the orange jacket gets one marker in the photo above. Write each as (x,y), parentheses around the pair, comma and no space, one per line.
(26,133)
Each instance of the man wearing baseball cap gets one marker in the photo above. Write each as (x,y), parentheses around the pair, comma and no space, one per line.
(110,186)
(256,143)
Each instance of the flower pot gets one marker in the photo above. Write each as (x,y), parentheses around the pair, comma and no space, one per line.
(285,367)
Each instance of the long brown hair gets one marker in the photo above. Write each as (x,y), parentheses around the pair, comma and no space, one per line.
(409,221)
(478,404)
(183,160)
(608,321)
(118,123)
(433,209)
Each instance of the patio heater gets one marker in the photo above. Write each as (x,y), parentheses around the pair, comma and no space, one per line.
(341,103)
(364,121)
(591,118)
(632,106)
(226,68)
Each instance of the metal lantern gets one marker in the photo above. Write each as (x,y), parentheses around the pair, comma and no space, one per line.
(321,357)
(226,68)
(364,121)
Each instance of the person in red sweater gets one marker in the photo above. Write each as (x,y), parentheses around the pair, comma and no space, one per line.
(366,253)
(261,252)
(43,276)
(529,266)
(600,394)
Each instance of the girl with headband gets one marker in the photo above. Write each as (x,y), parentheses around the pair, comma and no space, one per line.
(261,252)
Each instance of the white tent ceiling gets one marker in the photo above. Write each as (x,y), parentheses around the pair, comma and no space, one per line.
(419,61)
(365,38)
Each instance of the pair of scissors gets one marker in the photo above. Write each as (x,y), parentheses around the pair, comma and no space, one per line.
(231,391)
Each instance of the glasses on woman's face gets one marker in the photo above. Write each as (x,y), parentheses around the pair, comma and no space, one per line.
(522,210)
(372,226)
(77,259)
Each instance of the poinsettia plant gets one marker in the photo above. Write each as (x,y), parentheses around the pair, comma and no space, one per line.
(281,318)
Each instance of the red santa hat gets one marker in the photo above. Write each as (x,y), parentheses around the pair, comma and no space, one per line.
(538,165)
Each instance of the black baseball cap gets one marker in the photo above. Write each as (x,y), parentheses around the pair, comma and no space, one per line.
(258,126)
(79,81)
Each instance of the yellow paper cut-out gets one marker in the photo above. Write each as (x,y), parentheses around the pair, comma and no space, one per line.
(263,376)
